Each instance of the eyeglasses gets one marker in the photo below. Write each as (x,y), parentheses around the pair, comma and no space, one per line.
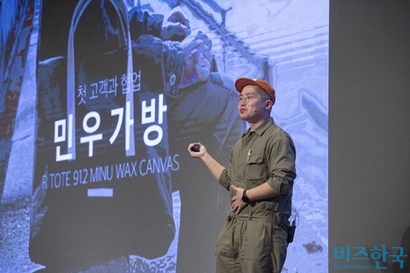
(245,99)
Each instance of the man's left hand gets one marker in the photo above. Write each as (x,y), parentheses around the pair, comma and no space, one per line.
(236,202)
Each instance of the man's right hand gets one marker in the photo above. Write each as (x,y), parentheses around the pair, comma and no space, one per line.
(196,149)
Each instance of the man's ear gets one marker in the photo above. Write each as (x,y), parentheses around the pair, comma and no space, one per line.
(269,104)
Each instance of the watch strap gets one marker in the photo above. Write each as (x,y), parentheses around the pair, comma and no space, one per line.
(245,198)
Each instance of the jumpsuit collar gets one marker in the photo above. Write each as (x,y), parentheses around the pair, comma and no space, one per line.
(261,128)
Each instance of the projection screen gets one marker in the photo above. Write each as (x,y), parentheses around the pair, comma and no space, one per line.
(98,103)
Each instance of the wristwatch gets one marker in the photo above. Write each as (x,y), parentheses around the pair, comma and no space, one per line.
(245,198)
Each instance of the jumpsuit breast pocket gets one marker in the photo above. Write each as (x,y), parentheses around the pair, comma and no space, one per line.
(256,168)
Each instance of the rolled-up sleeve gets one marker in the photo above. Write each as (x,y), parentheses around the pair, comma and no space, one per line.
(281,163)
(225,180)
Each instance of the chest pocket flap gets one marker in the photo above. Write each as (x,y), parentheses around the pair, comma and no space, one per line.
(256,169)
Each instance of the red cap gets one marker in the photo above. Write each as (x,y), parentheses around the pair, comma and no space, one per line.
(242,82)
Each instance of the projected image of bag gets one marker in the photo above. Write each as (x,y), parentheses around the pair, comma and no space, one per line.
(102,183)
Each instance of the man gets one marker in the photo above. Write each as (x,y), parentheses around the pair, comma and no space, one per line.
(260,180)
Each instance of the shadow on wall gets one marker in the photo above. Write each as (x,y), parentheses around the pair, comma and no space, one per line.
(405,244)
(400,261)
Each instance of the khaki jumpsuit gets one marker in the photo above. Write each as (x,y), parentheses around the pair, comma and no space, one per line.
(255,240)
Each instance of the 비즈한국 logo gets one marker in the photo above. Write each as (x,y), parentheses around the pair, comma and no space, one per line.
(362,257)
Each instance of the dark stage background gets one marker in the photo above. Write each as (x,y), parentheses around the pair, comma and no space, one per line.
(369,133)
